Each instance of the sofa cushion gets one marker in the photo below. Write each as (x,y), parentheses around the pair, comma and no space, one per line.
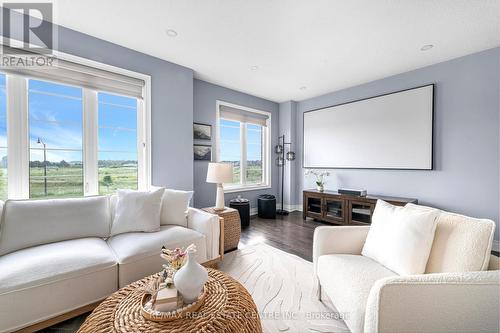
(461,243)
(47,280)
(27,223)
(400,238)
(174,207)
(347,280)
(138,253)
(137,211)
(55,261)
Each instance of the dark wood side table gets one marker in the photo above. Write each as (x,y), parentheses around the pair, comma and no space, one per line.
(232,226)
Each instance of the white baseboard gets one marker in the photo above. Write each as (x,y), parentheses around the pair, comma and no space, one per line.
(293,208)
(496,246)
(290,208)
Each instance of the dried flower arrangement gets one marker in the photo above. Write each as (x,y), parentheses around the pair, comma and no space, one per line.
(175,259)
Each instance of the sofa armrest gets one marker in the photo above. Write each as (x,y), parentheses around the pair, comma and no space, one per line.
(338,239)
(445,302)
(208,225)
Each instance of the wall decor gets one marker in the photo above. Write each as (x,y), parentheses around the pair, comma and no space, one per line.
(202,152)
(390,131)
(202,131)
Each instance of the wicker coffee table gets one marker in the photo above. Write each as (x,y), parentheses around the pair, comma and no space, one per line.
(228,307)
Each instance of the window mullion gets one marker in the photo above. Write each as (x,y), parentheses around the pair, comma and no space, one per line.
(17,137)
(243,146)
(143,176)
(90,143)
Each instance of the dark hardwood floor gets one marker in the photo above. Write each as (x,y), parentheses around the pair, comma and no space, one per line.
(288,233)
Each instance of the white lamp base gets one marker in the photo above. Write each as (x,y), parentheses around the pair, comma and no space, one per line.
(219,201)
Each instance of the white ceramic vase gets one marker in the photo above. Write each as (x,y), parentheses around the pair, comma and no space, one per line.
(320,188)
(190,278)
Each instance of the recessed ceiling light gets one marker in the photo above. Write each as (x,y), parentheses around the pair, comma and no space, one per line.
(254,68)
(171,33)
(303,88)
(426,47)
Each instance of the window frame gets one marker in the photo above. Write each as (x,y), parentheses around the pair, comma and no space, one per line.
(18,130)
(266,150)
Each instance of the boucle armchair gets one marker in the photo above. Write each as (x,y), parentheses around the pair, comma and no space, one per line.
(372,298)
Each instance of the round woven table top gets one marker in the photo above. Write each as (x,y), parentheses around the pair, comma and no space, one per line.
(228,307)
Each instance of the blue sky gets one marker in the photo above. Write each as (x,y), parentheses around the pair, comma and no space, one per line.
(230,141)
(55,116)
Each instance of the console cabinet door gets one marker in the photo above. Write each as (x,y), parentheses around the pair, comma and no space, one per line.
(360,212)
(312,206)
(334,210)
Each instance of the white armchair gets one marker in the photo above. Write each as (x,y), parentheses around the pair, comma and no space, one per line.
(375,299)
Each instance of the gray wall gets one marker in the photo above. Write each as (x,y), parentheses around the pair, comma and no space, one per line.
(171,103)
(205,97)
(466,138)
(287,124)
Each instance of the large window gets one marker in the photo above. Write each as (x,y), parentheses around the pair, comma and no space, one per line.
(55,132)
(230,146)
(73,135)
(117,143)
(243,140)
(3,140)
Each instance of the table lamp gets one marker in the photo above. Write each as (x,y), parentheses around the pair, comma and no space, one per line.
(219,173)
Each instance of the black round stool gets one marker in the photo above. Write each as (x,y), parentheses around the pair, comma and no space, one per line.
(243,207)
(266,206)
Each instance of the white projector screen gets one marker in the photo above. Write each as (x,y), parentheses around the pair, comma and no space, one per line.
(392,131)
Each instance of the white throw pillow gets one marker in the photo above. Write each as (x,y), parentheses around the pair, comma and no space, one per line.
(174,207)
(137,211)
(400,238)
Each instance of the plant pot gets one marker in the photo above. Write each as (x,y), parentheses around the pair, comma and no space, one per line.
(320,188)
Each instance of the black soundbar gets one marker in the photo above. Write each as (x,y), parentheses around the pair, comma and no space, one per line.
(358,193)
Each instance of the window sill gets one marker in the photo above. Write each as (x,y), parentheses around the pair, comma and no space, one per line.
(245,188)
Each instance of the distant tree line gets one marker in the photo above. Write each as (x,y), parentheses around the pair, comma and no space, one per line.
(77,164)
(116,163)
(40,164)
(249,163)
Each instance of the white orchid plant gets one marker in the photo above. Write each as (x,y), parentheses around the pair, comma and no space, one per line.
(320,176)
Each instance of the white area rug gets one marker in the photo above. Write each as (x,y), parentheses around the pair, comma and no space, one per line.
(283,288)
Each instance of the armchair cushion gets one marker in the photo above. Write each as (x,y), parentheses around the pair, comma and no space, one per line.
(461,243)
(400,238)
(347,280)
(338,240)
(445,302)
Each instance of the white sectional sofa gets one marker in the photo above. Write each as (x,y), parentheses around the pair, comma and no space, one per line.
(57,255)
(447,298)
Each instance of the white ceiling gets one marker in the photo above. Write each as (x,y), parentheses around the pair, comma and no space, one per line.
(323,45)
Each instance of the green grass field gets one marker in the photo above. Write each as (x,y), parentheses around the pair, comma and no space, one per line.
(254,174)
(68,182)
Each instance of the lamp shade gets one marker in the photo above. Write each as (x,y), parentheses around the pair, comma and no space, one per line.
(220,173)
